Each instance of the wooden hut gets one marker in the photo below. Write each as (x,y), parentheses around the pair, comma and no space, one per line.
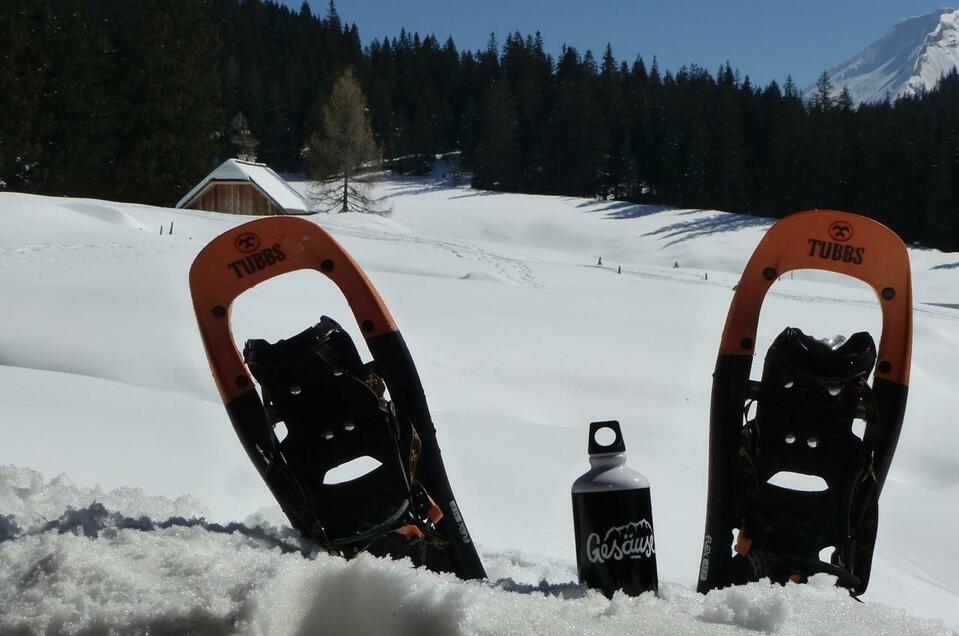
(244,187)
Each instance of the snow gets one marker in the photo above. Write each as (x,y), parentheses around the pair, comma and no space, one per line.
(910,58)
(179,579)
(521,340)
(939,55)
(272,184)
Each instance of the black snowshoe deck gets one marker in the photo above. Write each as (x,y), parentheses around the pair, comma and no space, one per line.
(332,406)
(806,402)
(333,409)
(810,394)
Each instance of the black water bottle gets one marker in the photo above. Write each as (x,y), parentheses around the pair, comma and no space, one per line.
(613,521)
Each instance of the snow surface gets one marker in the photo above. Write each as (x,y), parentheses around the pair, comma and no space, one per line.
(910,58)
(521,340)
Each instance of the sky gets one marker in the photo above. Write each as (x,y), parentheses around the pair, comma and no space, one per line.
(764,39)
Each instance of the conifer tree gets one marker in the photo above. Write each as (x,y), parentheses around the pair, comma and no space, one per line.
(494,163)
(167,132)
(333,17)
(615,163)
(22,74)
(81,104)
(822,99)
(120,100)
(730,144)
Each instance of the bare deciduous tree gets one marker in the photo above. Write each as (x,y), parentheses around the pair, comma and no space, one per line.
(343,147)
(242,140)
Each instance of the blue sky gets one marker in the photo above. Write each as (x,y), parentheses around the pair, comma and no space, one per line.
(765,39)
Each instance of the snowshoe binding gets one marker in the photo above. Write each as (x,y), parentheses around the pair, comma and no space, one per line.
(806,403)
(322,407)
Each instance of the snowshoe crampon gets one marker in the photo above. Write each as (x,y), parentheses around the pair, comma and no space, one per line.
(806,403)
(322,407)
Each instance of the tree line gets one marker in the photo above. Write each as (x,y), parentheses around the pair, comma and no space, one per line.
(137,101)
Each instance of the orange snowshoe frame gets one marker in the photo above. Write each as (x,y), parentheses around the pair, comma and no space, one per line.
(263,249)
(824,240)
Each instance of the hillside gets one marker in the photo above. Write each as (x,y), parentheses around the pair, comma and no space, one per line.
(520,339)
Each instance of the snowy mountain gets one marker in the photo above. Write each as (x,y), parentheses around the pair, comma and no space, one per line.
(521,340)
(911,57)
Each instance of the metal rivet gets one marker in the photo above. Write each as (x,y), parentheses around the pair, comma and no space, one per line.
(770,273)
(242,381)
(885,366)
(219,312)
(327,265)
(327,434)
(746,343)
(367,326)
(888,293)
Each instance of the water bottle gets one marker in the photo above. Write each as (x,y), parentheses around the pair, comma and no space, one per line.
(613,521)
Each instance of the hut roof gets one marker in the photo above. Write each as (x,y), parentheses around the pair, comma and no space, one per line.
(272,184)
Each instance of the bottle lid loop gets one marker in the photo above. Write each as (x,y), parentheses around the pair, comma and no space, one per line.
(617,445)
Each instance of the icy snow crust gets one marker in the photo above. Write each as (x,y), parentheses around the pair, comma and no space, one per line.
(520,339)
(80,577)
(910,58)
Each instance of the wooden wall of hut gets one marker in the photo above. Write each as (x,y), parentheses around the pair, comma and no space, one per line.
(238,197)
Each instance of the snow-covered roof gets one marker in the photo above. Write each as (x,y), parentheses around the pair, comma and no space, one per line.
(259,174)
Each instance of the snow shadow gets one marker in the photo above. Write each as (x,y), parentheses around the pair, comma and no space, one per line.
(477,193)
(946,266)
(619,210)
(706,226)
(196,621)
(407,185)
(564,591)
(95,520)
(9,528)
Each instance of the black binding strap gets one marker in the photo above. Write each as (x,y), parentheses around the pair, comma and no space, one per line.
(809,395)
(334,410)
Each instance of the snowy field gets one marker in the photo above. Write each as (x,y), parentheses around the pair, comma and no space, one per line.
(521,340)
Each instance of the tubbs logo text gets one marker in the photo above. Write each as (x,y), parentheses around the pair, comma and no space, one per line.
(632,541)
(829,251)
(255,262)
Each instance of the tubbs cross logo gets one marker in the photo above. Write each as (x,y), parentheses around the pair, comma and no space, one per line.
(247,243)
(838,249)
(840,231)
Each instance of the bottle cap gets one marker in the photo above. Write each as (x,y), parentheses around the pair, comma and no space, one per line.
(617,446)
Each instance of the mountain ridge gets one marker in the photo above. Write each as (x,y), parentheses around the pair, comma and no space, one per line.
(909,58)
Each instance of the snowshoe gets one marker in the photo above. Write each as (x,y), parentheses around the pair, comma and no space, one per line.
(322,407)
(806,403)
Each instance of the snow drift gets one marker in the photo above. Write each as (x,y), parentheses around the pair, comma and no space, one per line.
(85,574)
